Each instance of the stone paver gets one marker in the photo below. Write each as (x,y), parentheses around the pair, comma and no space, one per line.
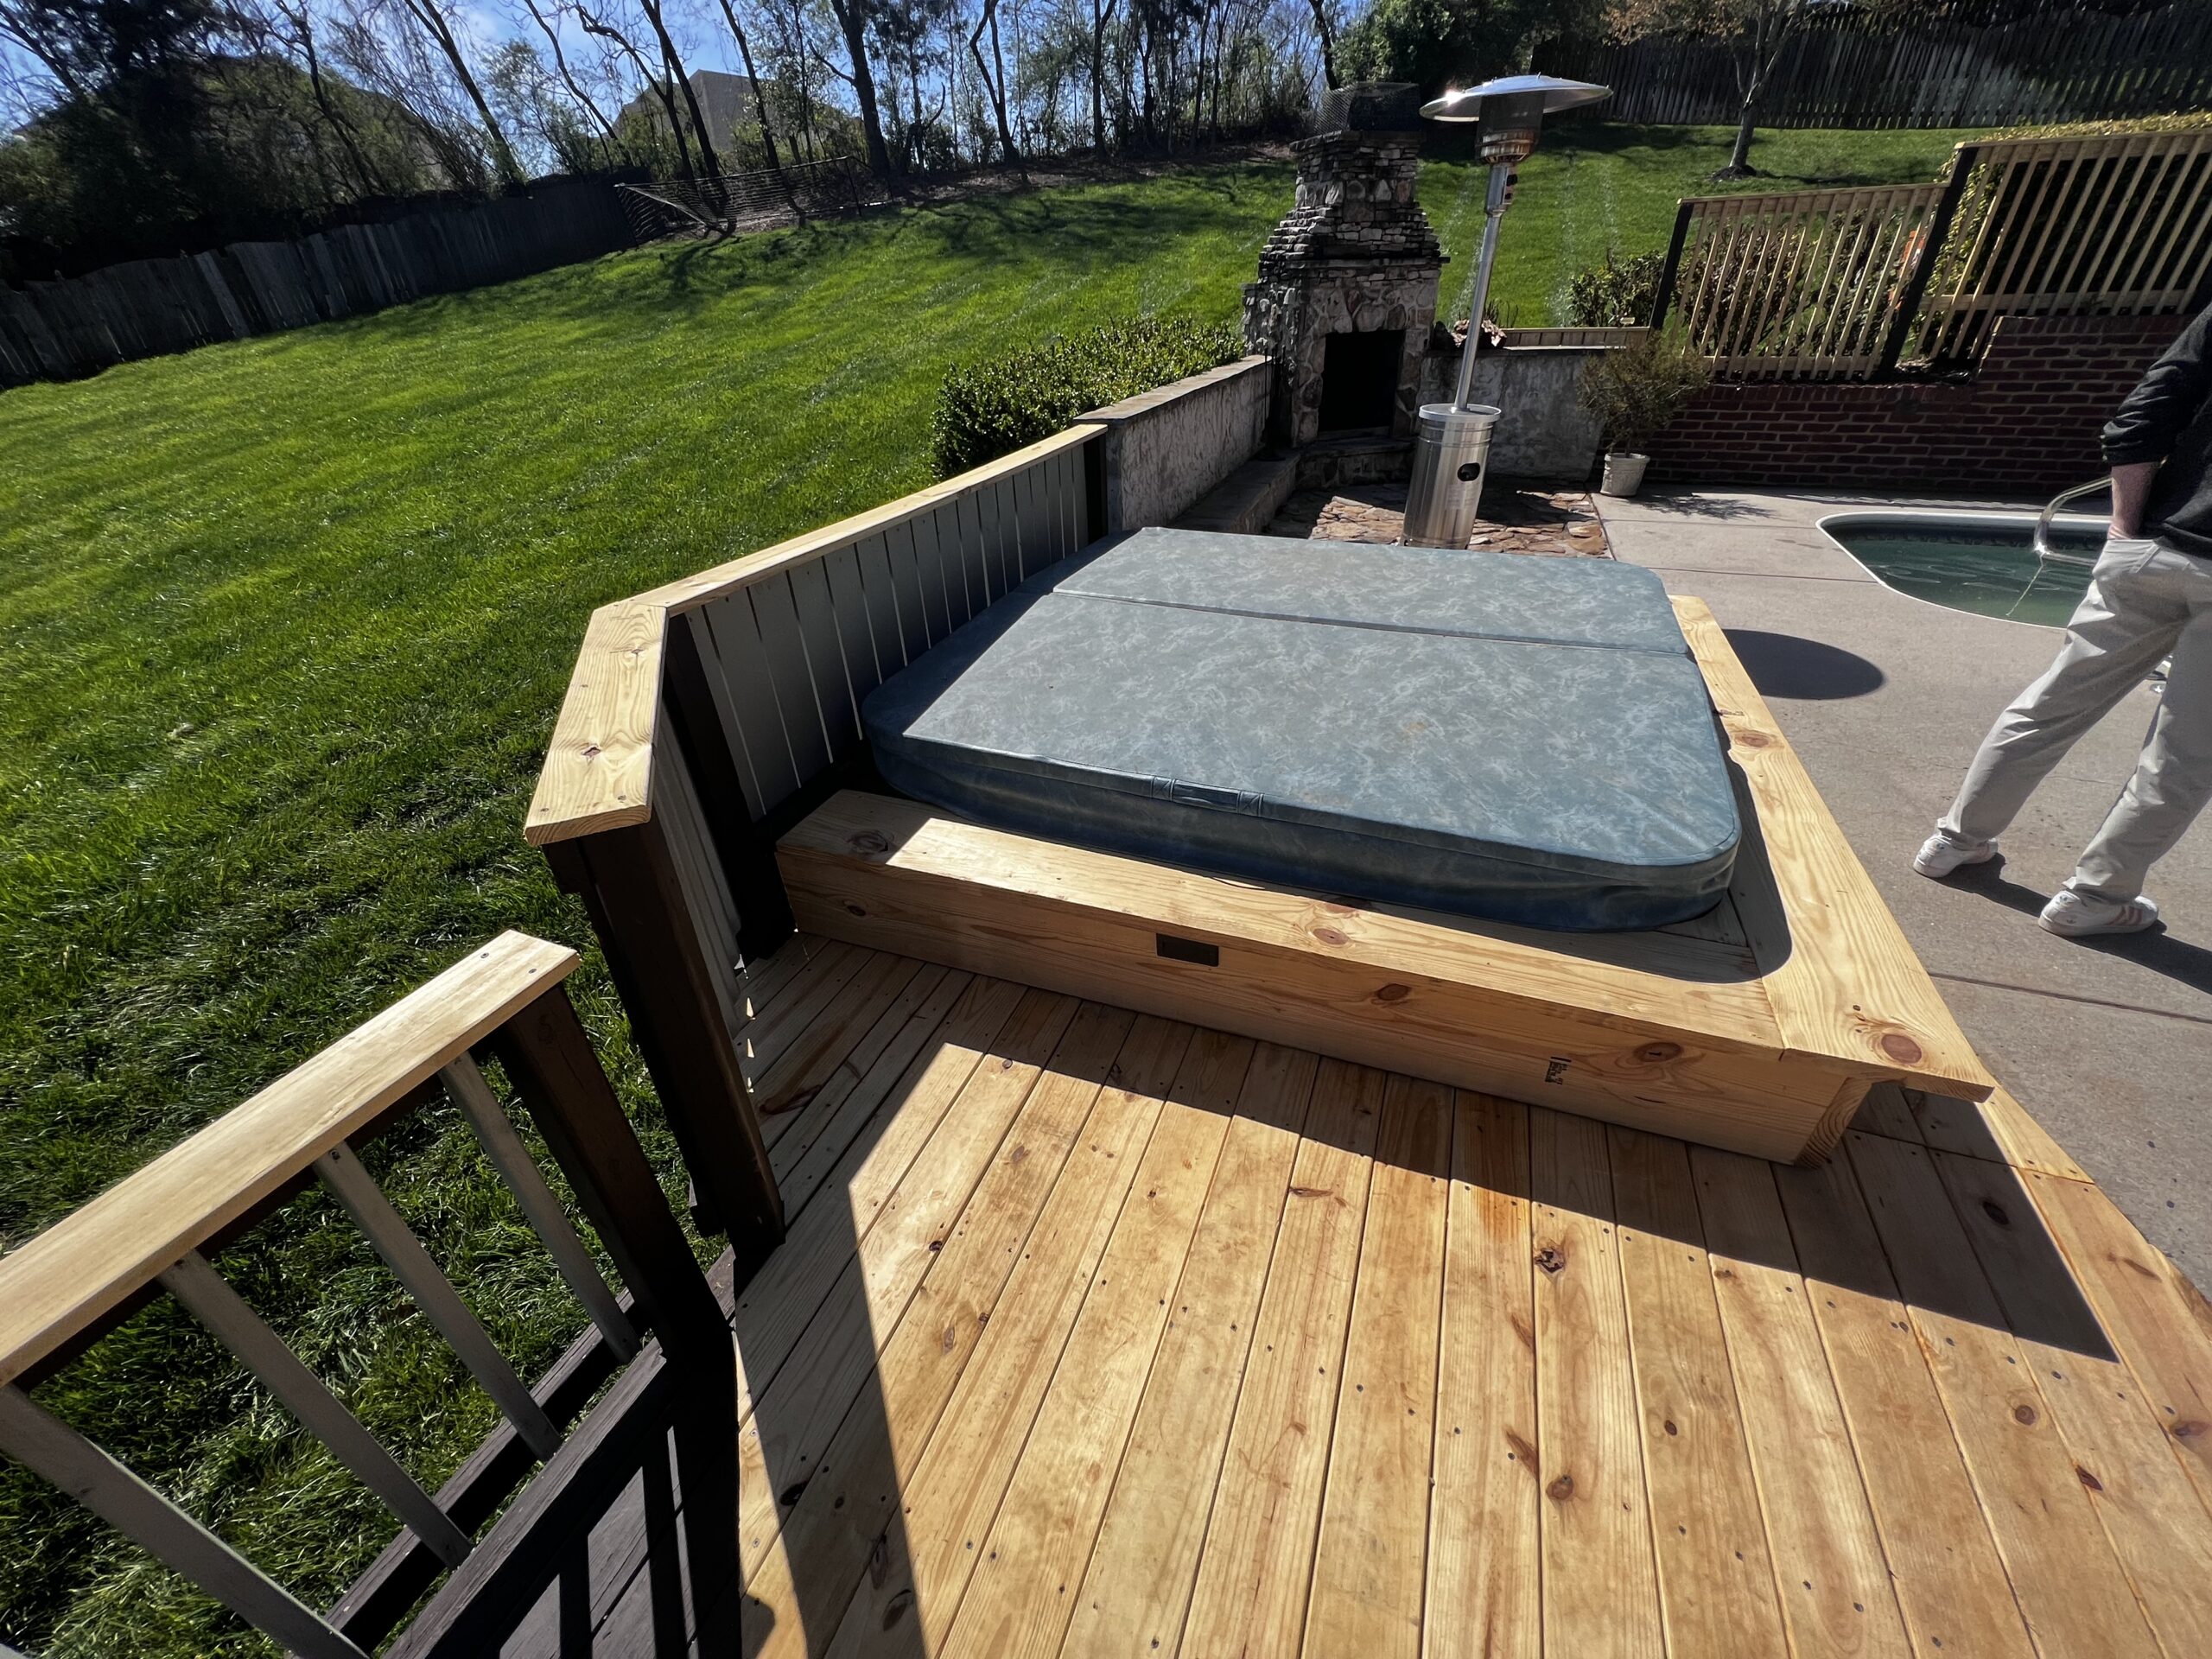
(1557,524)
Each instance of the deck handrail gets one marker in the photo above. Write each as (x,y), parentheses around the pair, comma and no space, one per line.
(702,713)
(157,1229)
(63,1282)
(597,774)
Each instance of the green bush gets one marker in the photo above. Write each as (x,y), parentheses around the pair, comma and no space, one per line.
(1615,293)
(1636,391)
(992,408)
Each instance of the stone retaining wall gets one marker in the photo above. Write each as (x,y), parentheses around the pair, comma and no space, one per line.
(1164,448)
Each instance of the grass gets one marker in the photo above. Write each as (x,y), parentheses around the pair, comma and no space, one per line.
(1594,188)
(283,624)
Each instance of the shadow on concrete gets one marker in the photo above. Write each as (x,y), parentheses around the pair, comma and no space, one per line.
(1785,665)
(1720,509)
(2157,950)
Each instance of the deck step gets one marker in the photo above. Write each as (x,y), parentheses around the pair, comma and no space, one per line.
(1244,502)
(1669,1045)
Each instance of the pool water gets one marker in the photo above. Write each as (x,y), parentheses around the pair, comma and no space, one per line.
(1977,567)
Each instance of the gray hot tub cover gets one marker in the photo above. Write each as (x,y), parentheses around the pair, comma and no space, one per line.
(1525,739)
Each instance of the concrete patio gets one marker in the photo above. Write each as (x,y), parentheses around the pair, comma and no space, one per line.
(1885,697)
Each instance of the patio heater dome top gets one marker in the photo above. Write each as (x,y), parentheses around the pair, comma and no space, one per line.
(1465,104)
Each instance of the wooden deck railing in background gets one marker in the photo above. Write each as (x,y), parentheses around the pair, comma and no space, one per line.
(1846,284)
(1801,283)
(157,1231)
(2114,225)
(706,715)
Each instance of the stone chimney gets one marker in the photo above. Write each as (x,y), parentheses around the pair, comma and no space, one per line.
(1347,286)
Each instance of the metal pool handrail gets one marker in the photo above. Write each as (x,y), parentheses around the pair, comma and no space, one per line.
(2045,553)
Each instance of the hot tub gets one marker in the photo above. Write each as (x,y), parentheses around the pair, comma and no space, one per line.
(1520,739)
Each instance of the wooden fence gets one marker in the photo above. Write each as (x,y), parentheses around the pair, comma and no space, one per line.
(80,325)
(1849,284)
(1968,64)
(2115,226)
(158,1231)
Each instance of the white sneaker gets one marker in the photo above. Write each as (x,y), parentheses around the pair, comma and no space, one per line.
(2072,914)
(1939,854)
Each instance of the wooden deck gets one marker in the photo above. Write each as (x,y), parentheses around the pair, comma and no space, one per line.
(1096,1333)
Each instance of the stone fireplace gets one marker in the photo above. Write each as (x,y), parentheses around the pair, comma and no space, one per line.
(1347,286)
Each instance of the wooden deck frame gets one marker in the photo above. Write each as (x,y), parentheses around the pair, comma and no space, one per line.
(1759,1029)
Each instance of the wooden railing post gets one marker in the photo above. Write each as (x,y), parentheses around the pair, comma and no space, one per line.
(1684,213)
(1936,233)
(628,881)
(551,1061)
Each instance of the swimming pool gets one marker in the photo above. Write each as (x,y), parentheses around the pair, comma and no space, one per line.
(1976,561)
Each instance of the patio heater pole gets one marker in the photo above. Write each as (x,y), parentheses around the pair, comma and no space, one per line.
(1501,179)
(1452,445)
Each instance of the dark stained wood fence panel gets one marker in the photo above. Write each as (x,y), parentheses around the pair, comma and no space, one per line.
(149,308)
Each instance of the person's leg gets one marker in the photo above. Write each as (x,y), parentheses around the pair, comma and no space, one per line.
(2173,777)
(2127,620)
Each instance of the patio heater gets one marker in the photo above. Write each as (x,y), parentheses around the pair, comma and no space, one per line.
(1453,444)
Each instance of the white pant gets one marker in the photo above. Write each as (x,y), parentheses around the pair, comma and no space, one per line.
(2145,602)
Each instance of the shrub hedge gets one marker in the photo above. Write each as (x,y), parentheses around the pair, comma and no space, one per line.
(1615,293)
(993,407)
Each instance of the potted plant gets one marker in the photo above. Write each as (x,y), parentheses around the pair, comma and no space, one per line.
(1635,391)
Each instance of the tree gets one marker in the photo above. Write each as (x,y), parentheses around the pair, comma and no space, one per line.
(429,17)
(853,19)
(1755,30)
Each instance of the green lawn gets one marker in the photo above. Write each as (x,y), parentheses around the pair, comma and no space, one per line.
(283,624)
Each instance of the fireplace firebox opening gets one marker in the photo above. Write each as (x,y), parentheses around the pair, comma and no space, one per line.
(1359,379)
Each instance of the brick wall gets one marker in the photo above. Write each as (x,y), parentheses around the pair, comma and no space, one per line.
(2026,423)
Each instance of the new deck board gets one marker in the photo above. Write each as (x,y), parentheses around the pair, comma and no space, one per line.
(1137,1588)
(2063,1570)
(1600,1586)
(948,1503)
(1031,1564)
(1716,1582)
(1483,1568)
(1295,1355)
(1253,1572)
(1372,1554)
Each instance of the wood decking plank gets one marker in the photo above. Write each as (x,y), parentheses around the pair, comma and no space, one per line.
(976,1171)
(1137,1588)
(863,1079)
(947,1504)
(1828,1564)
(2062,1567)
(1999,1127)
(837,1524)
(761,980)
(2152,1514)
(1029,1568)
(774,1310)
(1371,1558)
(1949,1580)
(782,1095)
(1250,1601)
(762,1042)
(1716,1581)
(1600,1587)
(1483,1548)
(1886,1112)
(1844,980)
(2156,1319)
